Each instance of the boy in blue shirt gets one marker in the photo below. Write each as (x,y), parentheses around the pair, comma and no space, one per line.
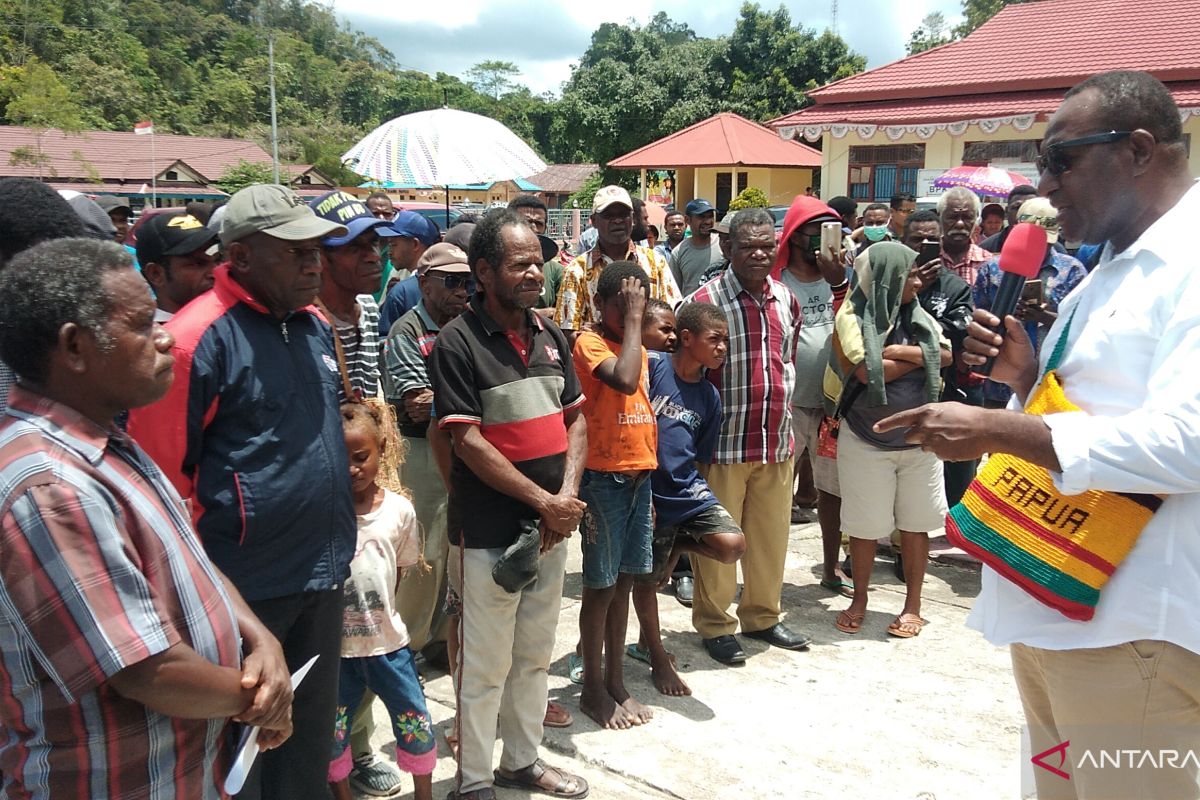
(688,517)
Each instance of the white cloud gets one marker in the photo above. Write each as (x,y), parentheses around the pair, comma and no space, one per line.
(466,12)
(878,29)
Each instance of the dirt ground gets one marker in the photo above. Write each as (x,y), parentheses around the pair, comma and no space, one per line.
(866,716)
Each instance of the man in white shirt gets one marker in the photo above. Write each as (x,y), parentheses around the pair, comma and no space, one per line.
(1114,164)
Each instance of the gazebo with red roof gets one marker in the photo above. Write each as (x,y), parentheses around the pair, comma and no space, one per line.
(719,157)
(985,99)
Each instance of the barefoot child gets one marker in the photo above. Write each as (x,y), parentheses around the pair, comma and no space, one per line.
(688,518)
(375,652)
(616,487)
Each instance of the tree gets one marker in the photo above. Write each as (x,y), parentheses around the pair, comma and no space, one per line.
(586,193)
(933,32)
(244,174)
(493,78)
(977,12)
(771,63)
(40,101)
(750,197)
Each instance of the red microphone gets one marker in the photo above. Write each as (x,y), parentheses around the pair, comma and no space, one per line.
(1021,257)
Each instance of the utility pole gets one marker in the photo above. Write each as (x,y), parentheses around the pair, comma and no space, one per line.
(274,121)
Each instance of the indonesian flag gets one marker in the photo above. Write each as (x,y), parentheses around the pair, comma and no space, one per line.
(143,127)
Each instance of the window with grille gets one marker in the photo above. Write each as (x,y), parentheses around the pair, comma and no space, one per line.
(878,172)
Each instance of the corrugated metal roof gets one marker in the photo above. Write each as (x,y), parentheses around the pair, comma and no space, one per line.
(563,178)
(122,156)
(721,141)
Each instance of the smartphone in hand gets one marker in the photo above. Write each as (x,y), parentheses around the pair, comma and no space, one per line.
(831,238)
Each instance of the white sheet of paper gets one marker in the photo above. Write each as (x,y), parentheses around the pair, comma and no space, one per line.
(248,746)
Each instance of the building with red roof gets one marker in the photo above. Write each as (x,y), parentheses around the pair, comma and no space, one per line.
(985,99)
(719,157)
(123,163)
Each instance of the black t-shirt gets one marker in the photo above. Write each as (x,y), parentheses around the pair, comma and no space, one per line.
(482,375)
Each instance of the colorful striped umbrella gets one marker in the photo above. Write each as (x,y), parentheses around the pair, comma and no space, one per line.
(442,147)
(984,181)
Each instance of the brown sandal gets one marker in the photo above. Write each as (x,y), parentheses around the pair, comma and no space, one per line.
(531,779)
(557,716)
(907,626)
(852,623)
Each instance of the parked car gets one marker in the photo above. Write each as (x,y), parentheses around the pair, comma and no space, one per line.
(434,212)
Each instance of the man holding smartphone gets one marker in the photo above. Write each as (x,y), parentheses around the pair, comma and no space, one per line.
(1058,275)
(810,223)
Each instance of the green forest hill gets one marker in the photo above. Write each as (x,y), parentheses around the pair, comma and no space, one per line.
(200,67)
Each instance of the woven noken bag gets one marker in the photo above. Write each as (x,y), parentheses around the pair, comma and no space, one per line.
(1059,548)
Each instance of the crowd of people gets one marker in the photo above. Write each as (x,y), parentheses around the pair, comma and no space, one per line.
(288,431)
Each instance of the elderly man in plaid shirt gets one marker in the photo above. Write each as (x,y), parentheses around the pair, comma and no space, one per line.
(751,473)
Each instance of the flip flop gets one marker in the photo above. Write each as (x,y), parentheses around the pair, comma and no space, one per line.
(896,630)
(635,652)
(575,668)
(557,716)
(853,623)
(838,586)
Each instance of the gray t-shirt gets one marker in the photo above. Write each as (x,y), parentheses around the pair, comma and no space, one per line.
(689,262)
(904,393)
(812,351)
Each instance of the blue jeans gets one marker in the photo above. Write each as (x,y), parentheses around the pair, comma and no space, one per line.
(617,528)
(393,678)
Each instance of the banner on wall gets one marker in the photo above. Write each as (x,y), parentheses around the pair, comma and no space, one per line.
(660,186)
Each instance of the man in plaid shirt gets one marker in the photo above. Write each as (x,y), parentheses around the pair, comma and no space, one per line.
(120,642)
(751,473)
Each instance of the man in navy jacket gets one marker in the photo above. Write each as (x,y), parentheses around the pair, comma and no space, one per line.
(251,436)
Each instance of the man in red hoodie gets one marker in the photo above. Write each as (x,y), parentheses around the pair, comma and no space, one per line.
(801,271)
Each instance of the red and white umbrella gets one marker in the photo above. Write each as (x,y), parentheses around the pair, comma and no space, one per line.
(984,181)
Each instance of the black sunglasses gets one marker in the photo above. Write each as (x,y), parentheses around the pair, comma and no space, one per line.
(453,282)
(1054,161)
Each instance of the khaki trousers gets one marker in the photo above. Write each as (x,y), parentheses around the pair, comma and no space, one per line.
(420,597)
(1141,696)
(759,497)
(507,641)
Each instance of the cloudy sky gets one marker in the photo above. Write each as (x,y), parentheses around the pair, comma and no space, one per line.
(545,38)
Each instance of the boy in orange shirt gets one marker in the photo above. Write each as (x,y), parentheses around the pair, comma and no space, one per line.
(617,526)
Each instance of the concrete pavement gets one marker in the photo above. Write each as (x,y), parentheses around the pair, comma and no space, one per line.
(865,716)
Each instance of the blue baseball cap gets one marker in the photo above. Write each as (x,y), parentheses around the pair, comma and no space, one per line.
(347,210)
(697,207)
(415,226)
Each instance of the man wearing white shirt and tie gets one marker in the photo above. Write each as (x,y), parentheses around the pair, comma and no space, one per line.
(1114,164)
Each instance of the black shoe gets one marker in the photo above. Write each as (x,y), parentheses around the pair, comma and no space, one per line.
(898,568)
(725,649)
(437,656)
(848,568)
(780,635)
(683,590)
